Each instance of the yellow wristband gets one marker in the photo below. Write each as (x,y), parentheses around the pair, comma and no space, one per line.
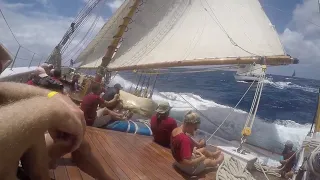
(52,93)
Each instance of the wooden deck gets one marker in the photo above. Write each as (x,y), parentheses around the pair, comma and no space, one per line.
(125,156)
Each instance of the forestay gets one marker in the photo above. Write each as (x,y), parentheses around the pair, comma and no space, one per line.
(98,46)
(170,31)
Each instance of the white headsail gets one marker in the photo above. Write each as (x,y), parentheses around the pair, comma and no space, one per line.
(98,46)
(168,32)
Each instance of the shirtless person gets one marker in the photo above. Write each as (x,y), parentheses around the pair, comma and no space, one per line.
(22,132)
(288,162)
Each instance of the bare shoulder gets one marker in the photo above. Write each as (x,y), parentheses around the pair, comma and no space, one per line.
(176,131)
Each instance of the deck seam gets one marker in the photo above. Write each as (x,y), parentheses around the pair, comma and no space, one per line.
(111,168)
(117,156)
(145,168)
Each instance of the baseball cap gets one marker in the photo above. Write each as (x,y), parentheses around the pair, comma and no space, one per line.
(118,86)
(163,107)
(44,65)
(41,72)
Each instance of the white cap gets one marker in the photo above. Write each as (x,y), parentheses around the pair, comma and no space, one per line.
(44,65)
(41,72)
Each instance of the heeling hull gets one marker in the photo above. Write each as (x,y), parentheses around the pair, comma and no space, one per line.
(19,74)
(248,78)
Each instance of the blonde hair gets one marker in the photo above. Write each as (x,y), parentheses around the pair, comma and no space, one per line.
(191,117)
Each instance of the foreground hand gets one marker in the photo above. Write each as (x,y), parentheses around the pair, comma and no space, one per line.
(202,143)
(203,157)
(71,127)
(220,159)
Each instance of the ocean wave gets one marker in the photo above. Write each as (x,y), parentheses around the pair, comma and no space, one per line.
(243,82)
(287,85)
(271,136)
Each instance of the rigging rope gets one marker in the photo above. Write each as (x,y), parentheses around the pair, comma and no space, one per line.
(231,111)
(75,27)
(232,169)
(222,28)
(137,84)
(141,87)
(154,84)
(145,94)
(67,54)
(137,77)
(254,107)
(201,113)
(14,36)
(9,27)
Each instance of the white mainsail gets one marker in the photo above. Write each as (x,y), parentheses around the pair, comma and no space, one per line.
(98,46)
(172,31)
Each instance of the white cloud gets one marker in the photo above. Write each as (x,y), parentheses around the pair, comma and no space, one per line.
(114,5)
(37,31)
(302,36)
(17,6)
(43,2)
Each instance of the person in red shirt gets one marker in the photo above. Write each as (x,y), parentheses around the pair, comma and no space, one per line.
(56,75)
(31,78)
(90,105)
(192,158)
(162,125)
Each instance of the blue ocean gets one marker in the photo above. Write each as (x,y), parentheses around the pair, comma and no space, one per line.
(286,110)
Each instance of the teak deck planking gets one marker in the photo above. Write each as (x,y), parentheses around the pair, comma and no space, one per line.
(125,156)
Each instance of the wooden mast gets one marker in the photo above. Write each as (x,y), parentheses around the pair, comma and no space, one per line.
(316,120)
(116,39)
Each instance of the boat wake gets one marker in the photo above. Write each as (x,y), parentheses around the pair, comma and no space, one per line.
(267,135)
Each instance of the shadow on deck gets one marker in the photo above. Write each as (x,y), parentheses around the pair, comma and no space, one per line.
(125,156)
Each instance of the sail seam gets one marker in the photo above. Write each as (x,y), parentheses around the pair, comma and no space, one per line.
(166,27)
(222,28)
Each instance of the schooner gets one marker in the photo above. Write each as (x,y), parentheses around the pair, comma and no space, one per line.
(146,36)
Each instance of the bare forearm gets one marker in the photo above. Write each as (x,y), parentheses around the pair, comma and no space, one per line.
(114,114)
(34,115)
(111,103)
(196,143)
(193,161)
(11,92)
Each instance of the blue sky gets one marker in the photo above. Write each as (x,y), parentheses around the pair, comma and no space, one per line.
(68,8)
(40,24)
(280,18)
